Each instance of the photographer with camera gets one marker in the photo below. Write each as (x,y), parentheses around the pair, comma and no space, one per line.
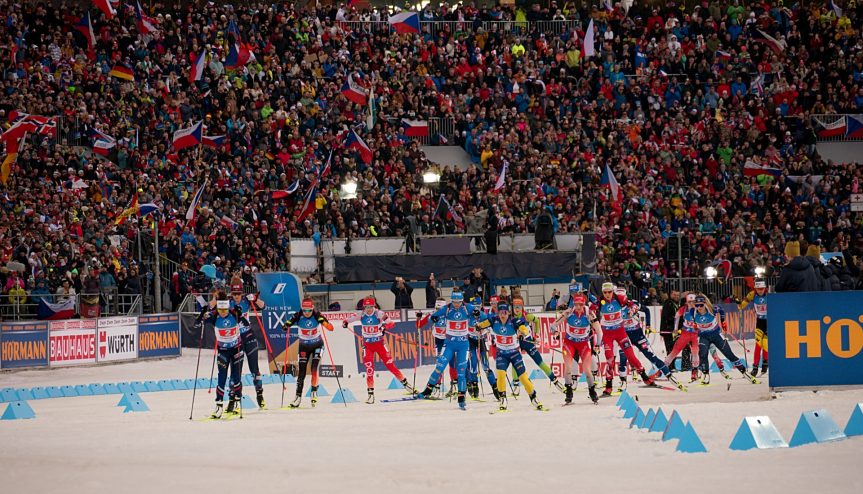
(402,291)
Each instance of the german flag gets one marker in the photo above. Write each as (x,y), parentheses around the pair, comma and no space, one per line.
(122,71)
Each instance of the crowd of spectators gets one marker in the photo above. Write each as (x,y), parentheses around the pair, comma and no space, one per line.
(676,101)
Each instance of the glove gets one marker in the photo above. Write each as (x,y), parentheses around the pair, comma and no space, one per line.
(251,297)
(476,313)
(328,326)
(345,324)
(435,318)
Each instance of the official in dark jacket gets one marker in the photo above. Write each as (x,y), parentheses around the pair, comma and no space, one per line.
(666,321)
(798,275)
(402,291)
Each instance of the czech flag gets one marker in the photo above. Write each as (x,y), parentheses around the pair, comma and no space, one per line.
(281,194)
(752,169)
(855,127)
(106,8)
(189,137)
(501,179)
(405,22)
(354,141)
(354,92)
(214,141)
(835,128)
(196,199)
(239,56)
(146,25)
(226,221)
(309,203)
(103,147)
(85,27)
(197,71)
(609,181)
(122,71)
(415,128)
(723,56)
(778,46)
(51,312)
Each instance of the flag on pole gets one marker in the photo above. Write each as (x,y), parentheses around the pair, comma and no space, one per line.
(854,128)
(415,128)
(122,71)
(226,221)
(146,25)
(354,141)
(214,141)
(355,92)
(836,9)
(85,27)
(103,147)
(501,179)
(309,202)
(283,193)
(608,180)
(106,8)
(196,200)
(188,137)
(589,42)
(752,169)
(239,55)
(452,214)
(778,46)
(405,22)
(197,70)
(370,118)
(323,172)
(13,147)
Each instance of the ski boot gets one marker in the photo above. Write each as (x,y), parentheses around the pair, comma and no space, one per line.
(453,389)
(647,379)
(535,401)
(635,377)
(461,403)
(217,413)
(724,374)
(622,387)
(371,399)
(763,369)
(410,389)
(575,378)
(677,383)
(568,392)
(502,403)
(516,389)
(296,402)
(591,391)
(608,387)
(750,377)
(754,371)
(232,405)
(473,391)
(436,392)
(261,403)
(557,384)
(705,378)
(694,376)
(427,392)
(314,393)
(497,394)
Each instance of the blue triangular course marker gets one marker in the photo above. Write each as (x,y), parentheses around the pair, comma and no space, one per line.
(39,393)
(395,384)
(8,395)
(204,383)
(757,432)
(83,390)
(248,403)
(97,389)
(690,442)
(267,379)
(111,389)
(854,427)
(68,391)
(621,399)
(660,421)
(54,392)
(537,374)
(125,387)
(648,419)
(138,387)
(675,427)
(582,378)
(179,384)
(713,366)
(151,387)
(136,405)
(344,395)
(18,410)
(815,426)
(24,394)
(190,383)
(637,418)
(629,404)
(322,391)
(247,380)
(631,410)
(165,385)
(290,379)
(127,399)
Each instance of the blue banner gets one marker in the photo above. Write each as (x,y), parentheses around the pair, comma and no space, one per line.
(23,344)
(815,338)
(403,342)
(281,292)
(159,335)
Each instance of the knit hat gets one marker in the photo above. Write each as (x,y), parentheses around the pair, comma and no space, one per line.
(813,251)
(792,248)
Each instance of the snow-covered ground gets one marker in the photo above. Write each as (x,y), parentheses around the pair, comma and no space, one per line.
(88,444)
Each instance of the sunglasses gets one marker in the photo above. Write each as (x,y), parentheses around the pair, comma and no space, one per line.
(699,305)
(307,310)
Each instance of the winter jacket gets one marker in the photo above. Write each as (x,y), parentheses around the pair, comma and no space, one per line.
(797,276)
(821,274)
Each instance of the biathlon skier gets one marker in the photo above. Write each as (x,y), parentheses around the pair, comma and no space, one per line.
(611,317)
(374,323)
(576,343)
(635,332)
(527,343)
(457,316)
(505,333)
(758,298)
(478,354)
(311,344)
(250,341)
(710,324)
(439,331)
(226,324)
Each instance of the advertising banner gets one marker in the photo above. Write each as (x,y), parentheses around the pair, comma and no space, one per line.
(815,339)
(72,342)
(23,344)
(404,343)
(281,292)
(118,338)
(159,335)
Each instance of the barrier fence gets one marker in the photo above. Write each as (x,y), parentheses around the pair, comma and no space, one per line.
(23,306)
(837,127)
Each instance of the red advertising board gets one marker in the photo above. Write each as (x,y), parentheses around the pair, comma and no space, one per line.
(72,342)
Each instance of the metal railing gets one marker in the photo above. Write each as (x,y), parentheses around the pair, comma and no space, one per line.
(837,127)
(716,288)
(26,306)
(435,27)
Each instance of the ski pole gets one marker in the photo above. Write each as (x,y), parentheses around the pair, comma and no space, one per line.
(197,368)
(285,364)
(264,333)
(511,389)
(417,356)
(332,363)
(213,367)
